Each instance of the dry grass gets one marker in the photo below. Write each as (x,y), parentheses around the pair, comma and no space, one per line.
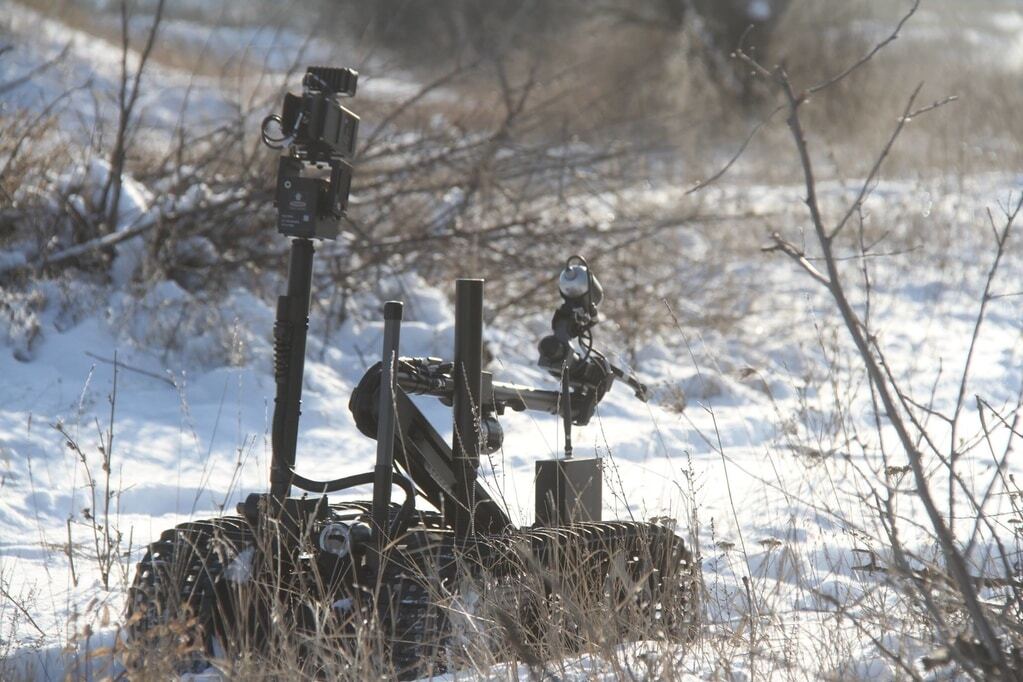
(423,616)
(951,50)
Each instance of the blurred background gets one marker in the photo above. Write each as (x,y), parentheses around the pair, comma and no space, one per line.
(488,127)
(497,137)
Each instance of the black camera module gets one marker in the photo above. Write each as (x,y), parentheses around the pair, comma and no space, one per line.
(314,175)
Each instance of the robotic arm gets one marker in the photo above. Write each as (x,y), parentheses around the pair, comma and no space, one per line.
(586,377)
(589,373)
(586,374)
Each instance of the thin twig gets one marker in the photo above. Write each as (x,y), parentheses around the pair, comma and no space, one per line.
(21,607)
(735,157)
(797,255)
(143,372)
(1000,240)
(867,57)
(954,559)
(32,73)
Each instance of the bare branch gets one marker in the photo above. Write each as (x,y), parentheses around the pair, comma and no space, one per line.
(937,104)
(882,382)
(735,157)
(21,607)
(797,255)
(878,162)
(41,68)
(867,57)
(127,99)
(1000,240)
(408,103)
(32,125)
(146,222)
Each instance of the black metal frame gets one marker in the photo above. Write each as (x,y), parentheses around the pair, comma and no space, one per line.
(376,557)
(291,328)
(465,404)
(407,444)
(385,424)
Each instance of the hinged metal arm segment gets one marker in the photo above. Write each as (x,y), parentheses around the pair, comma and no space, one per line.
(385,423)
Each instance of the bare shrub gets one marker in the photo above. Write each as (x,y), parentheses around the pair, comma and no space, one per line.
(978,638)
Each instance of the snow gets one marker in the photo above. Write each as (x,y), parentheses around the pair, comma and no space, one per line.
(87,79)
(191,429)
(756,472)
(89,76)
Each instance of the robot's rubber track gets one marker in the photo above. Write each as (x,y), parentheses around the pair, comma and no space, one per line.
(176,582)
(554,576)
(182,576)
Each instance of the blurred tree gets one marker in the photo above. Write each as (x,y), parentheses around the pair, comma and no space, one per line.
(444,30)
(731,22)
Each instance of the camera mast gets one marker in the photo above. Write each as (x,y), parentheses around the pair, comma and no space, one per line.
(314,177)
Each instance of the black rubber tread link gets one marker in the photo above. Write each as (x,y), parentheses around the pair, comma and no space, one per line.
(428,562)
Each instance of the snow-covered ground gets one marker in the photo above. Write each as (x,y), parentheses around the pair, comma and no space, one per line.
(759,469)
(240,62)
(754,459)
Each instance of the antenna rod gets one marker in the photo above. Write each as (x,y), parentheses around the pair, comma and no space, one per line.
(566,409)
(386,424)
(468,386)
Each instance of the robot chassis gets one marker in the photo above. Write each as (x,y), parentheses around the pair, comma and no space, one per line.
(326,578)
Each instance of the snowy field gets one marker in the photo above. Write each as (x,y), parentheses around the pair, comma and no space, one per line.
(769,470)
(756,458)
